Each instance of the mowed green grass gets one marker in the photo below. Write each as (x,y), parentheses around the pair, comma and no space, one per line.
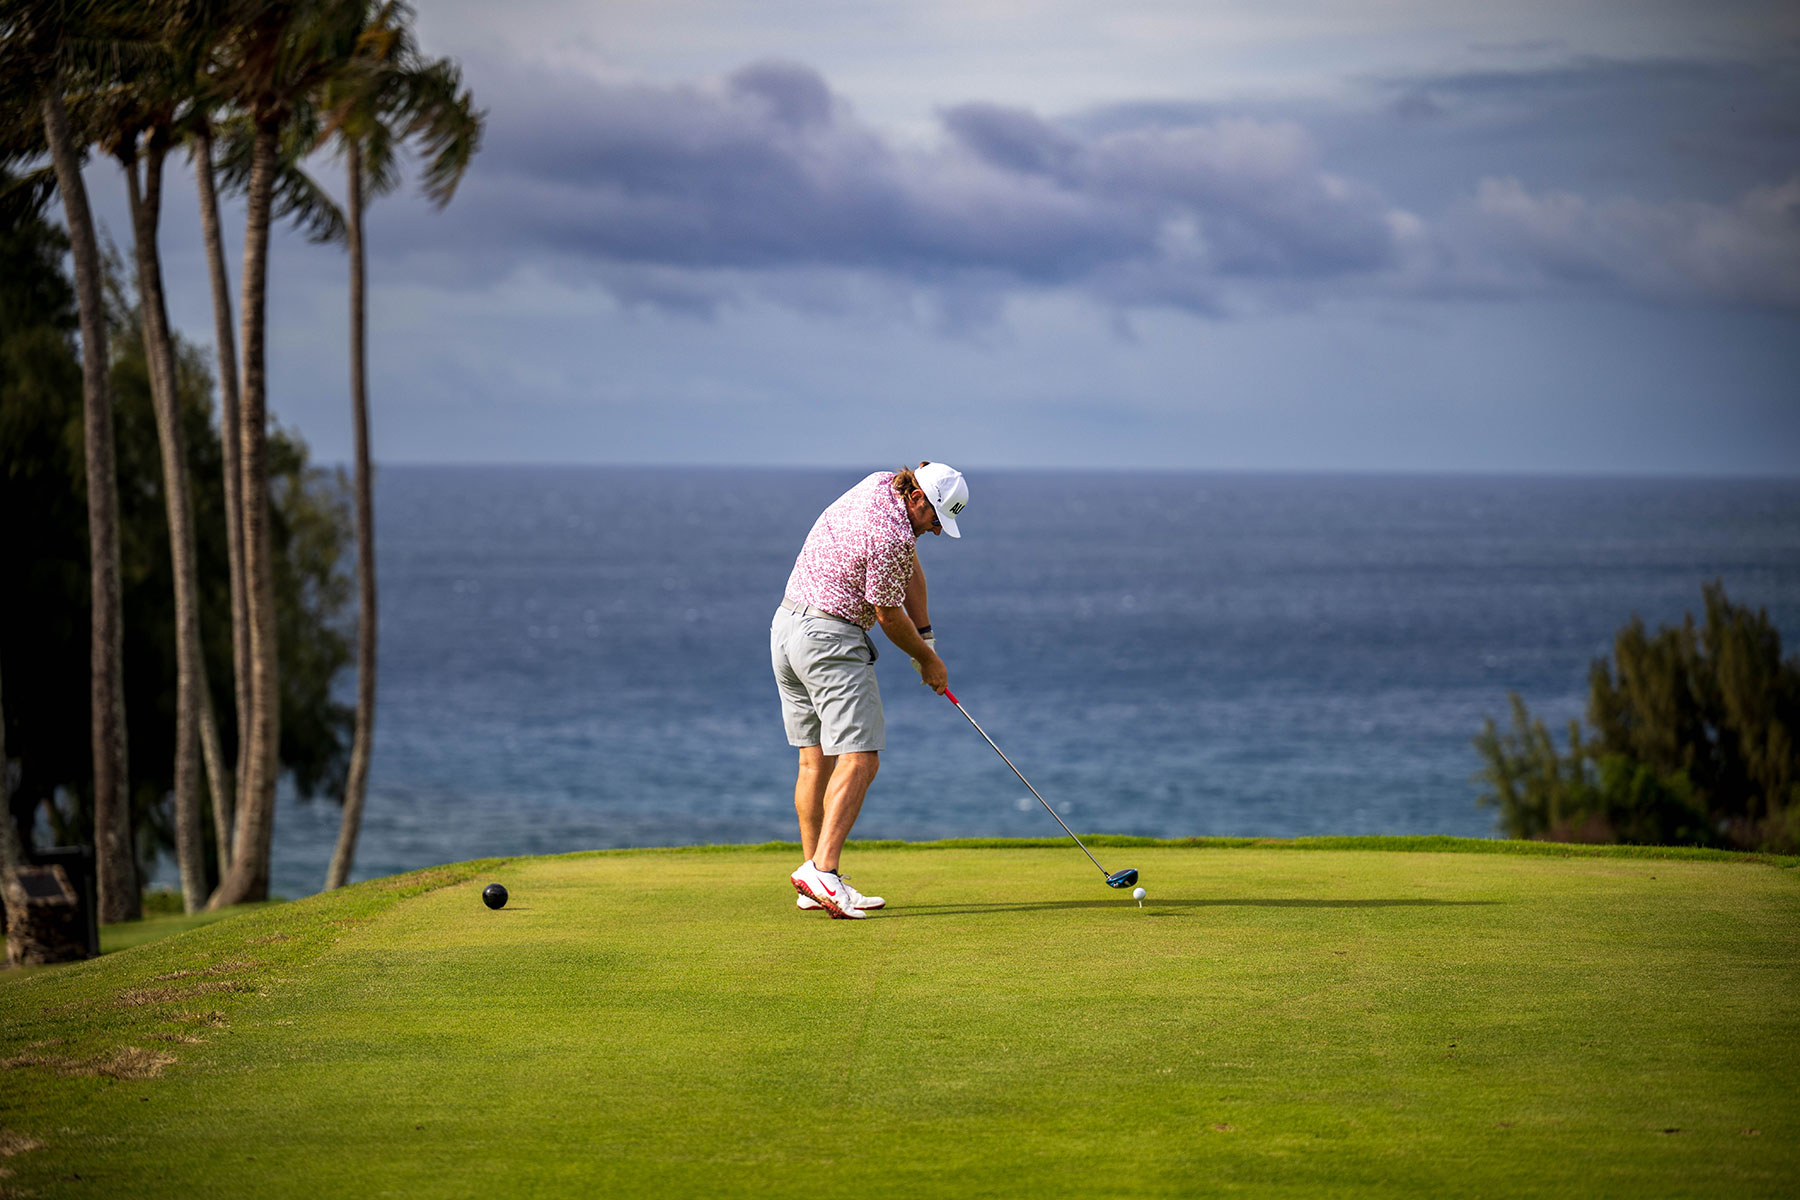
(1271,1022)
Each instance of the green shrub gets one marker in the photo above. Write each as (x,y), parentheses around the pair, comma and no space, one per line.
(1692,743)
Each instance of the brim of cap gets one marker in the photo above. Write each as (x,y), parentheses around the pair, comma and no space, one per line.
(949,524)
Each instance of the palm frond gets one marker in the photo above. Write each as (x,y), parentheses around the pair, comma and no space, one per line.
(300,199)
(447,124)
(28,190)
(385,94)
(380,162)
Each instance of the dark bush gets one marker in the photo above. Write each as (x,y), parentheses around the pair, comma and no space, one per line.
(1691,742)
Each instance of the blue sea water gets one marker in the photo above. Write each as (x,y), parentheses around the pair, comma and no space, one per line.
(578,657)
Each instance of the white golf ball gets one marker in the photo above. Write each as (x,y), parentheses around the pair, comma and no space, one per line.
(1137,893)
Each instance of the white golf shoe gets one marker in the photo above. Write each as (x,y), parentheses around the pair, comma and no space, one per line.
(857,899)
(827,890)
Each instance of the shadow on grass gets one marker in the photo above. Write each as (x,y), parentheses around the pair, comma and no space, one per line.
(1152,906)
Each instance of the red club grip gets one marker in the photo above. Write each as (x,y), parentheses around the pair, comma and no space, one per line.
(951,696)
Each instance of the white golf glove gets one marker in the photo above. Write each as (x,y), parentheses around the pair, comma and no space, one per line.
(930,642)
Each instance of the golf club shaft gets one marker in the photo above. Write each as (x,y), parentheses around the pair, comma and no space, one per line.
(997,750)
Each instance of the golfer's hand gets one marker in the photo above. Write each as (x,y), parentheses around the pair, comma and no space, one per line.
(935,675)
(931,645)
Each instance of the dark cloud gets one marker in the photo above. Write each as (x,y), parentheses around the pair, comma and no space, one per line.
(1528,46)
(770,170)
(796,95)
(684,196)
(1657,129)
(1667,179)
(1416,106)
(1743,253)
(1012,138)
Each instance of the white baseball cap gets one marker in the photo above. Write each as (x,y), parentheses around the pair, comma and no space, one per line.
(948,492)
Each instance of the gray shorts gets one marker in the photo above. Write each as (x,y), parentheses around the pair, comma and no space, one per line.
(825,669)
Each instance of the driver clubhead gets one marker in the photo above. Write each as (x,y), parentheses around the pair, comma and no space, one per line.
(1122,879)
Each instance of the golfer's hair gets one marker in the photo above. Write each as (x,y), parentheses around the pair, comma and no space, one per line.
(905,482)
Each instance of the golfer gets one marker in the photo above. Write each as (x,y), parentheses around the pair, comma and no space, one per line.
(858,568)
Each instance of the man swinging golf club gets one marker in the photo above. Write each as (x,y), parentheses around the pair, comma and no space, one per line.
(858,568)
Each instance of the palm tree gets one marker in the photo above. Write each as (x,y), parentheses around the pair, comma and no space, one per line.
(220,144)
(190,672)
(277,54)
(143,105)
(384,95)
(212,33)
(42,55)
(15,125)
(225,345)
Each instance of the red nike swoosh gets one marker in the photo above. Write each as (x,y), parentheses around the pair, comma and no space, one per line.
(827,887)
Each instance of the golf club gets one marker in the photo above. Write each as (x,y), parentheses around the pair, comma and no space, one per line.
(1115,879)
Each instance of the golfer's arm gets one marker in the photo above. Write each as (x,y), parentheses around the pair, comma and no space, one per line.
(915,605)
(902,632)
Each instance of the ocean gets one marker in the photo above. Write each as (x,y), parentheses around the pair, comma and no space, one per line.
(575,658)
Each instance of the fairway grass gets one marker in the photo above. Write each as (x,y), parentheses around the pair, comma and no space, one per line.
(1346,1021)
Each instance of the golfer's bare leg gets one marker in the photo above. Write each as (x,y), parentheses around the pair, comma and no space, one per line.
(809,795)
(849,783)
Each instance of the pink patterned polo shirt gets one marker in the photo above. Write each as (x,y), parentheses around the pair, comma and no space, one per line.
(859,553)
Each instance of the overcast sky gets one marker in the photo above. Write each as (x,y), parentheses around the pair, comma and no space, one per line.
(1544,235)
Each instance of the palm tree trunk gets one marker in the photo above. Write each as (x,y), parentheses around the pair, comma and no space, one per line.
(115,868)
(190,672)
(356,785)
(249,877)
(218,779)
(225,800)
(12,847)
